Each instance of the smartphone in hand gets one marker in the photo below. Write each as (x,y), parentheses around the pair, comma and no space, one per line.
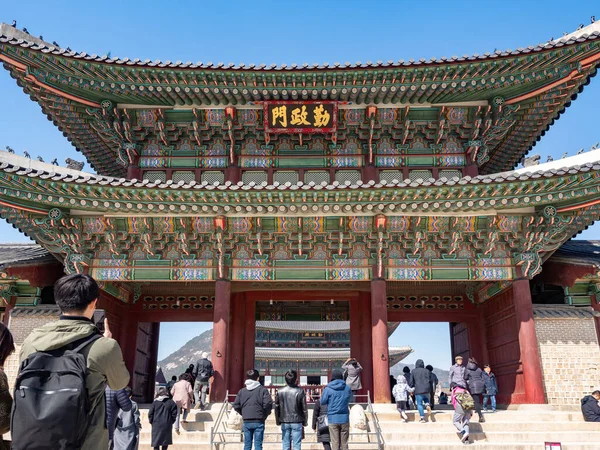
(98,319)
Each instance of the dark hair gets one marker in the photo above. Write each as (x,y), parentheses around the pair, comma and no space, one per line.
(406,369)
(173,378)
(487,366)
(472,360)
(7,344)
(129,391)
(253,374)
(73,293)
(162,391)
(183,376)
(429,367)
(290,377)
(596,393)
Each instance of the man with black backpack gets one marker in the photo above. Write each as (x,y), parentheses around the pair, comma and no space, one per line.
(202,373)
(64,368)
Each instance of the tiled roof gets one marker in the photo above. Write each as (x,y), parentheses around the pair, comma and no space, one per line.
(396,353)
(23,166)
(38,311)
(581,251)
(292,325)
(562,312)
(587,34)
(23,253)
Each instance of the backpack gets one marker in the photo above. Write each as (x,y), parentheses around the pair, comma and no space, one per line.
(465,400)
(51,404)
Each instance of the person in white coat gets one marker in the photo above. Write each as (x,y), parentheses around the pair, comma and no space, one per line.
(401,392)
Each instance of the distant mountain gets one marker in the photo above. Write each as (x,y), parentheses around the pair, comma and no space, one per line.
(178,361)
(441,374)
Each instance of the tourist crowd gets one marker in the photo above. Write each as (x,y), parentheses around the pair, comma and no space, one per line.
(91,406)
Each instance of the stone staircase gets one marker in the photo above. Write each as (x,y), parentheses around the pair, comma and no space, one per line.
(520,429)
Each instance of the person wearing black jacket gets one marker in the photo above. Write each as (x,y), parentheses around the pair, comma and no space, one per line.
(322,432)
(115,401)
(422,385)
(590,407)
(411,383)
(476,384)
(254,404)
(291,411)
(202,373)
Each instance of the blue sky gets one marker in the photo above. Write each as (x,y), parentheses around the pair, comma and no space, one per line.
(293,32)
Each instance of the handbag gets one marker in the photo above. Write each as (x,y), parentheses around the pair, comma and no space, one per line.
(323,425)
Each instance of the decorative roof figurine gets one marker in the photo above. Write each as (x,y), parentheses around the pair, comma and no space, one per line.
(74,165)
(26,154)
(531,161)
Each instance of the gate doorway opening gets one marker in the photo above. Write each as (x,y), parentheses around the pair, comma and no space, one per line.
(311,337)
(430,342)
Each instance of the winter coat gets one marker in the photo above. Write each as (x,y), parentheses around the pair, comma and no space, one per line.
(474,378)
(409,379)
(402,389)
(105,367)
(127,430)
(434,381)
(320,411)
(456,376)
(162,415)
(115,401)
(336,396)
(183,394)
(422,378)
(491,387)
(203,367)
(5,404)
(590,409)
(353,375)
(290,406)
(253,402)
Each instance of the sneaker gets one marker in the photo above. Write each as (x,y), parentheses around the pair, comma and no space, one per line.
(177,431)
(465,438)
(493,410)
(481,419)
(485,410)
(405,420)
(422,420)
(428,408)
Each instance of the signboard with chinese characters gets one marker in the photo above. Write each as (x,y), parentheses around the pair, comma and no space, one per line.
(300,117)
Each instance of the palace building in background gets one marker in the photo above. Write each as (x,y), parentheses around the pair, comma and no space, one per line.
(348,197)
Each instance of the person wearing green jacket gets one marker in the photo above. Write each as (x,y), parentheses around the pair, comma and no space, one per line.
(77,296)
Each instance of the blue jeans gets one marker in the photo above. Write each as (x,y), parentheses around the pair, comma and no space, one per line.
(291,432)
(422,399)
(493,400)
(256,431)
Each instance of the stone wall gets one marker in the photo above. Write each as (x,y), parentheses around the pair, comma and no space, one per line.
(22,322)
(569,351)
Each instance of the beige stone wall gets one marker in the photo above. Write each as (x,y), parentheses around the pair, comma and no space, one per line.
(570,358)
(20,326)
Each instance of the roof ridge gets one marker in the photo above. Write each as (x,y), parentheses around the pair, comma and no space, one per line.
(572,39)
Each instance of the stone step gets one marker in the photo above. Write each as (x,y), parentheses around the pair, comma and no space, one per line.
(490,426)
(500,416)
(404,445)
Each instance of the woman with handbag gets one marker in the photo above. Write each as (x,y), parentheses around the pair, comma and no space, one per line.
(321,425)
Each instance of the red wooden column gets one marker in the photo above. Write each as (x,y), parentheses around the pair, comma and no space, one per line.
(530,355)
(250,335)
(366,347)
(221,321)
(381,367)
(235,367)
